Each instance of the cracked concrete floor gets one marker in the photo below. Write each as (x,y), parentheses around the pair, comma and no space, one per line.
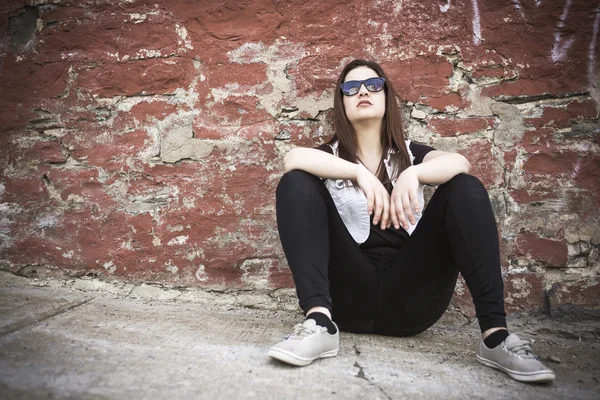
(64,343)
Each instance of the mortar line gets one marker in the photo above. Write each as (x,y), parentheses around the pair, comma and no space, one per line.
(12,328)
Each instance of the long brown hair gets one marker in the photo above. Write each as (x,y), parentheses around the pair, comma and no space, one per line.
(392,132)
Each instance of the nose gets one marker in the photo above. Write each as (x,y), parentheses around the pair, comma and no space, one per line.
(362,90)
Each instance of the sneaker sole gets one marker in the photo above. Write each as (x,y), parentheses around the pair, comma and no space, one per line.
(290,358)
(539,377)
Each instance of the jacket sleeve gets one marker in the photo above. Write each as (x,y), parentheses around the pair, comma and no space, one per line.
(419,151)
(324,147)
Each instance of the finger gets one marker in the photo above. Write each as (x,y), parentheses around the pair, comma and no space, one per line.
(386,211)
(407,209)
(393,215)
(399,213)
(378,209)
(401,217)
(415,201)
(370,202)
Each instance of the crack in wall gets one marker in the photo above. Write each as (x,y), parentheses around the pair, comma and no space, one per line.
(545,96)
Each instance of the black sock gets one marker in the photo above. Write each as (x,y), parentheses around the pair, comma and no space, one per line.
(495,338)
(323,320)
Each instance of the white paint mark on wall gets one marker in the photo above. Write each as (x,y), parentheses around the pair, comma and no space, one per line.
(145,53)
(172,268)
(200,274)
(178,240)
(247,53)
(137,18)
(110,266)
(560,48)
(476,24)
(591,56)
(46,221)
(397,6)
(577,167)
(68,254)
(184,37)
(445,7)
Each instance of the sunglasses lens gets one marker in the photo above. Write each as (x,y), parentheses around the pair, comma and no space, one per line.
(350,88)
(374,84)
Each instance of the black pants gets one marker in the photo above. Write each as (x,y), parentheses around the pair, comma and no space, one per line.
(399,292)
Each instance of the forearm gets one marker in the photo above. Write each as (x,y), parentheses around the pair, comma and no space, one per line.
(442,168)
(320,163)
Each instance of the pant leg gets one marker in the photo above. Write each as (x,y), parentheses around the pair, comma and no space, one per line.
(329,268)
(456,232)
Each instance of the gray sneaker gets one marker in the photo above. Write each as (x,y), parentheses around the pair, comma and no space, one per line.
(514,356)
(307,343)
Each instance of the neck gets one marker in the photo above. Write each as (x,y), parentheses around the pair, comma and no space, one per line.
(368,136)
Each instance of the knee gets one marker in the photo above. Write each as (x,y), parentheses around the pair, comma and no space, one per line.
(464,184)
(296,183)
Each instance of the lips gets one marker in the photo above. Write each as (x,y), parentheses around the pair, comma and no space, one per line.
(366,102)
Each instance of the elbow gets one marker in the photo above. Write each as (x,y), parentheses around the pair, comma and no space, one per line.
(288,160)
(466,163)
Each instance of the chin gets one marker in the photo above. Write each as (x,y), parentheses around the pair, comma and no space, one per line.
(367,117)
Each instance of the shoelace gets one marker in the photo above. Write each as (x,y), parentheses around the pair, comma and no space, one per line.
(301,332)
(522,349)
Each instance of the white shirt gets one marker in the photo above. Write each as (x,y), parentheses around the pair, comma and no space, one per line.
(352,204)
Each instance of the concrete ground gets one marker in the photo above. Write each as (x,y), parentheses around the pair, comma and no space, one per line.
(59,342)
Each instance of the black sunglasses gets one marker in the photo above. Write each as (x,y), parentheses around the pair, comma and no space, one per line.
(350,88)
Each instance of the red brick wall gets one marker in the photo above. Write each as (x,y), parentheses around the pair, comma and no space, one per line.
(144,140)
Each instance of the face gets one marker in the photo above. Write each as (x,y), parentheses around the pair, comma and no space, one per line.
(364,105)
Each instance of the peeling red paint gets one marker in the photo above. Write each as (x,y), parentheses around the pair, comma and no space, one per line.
(144,142)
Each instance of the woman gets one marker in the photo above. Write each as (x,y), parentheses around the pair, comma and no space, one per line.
(363,255)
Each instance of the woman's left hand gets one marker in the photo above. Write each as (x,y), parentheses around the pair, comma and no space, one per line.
(403,196)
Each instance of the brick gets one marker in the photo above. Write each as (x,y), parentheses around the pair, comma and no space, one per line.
(111,150)
(155,76)
(232,21)
(47,151)
(584,109)
(529,87)
(420,79)
(238,111)
(28,83)
(104,36)
(446,101)
(550,251)
(240,74)
(583,293)
(24,190)
(148,110)
(581,168)
(483,164)
(280,276)
(457,127)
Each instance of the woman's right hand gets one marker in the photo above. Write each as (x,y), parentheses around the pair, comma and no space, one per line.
(378,199)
